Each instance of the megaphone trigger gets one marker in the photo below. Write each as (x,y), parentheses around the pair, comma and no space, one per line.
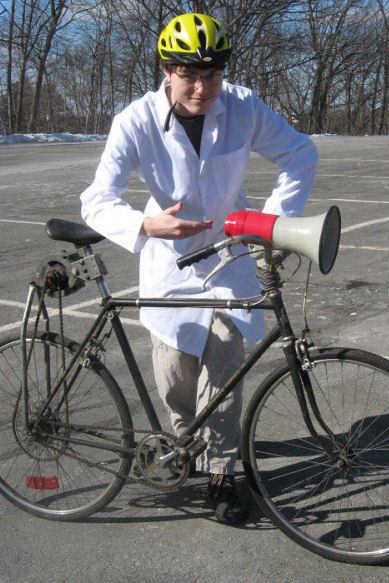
(314,237)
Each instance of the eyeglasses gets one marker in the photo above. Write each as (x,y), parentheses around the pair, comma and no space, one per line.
(191,77)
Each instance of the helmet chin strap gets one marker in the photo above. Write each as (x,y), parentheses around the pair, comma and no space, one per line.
(169,115)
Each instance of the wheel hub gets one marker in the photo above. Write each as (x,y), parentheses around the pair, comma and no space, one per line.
(36,440)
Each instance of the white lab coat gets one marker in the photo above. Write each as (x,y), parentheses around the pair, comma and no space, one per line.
(209,187)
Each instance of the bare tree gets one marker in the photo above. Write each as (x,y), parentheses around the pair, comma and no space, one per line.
(331,51)
(383,7)
(141,23)
(55,11)
(323,64)
(10,47)
(32,27)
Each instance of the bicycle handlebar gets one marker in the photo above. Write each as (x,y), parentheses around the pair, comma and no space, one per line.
(205,252)
(196,256)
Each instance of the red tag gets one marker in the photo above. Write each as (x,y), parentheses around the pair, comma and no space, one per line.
(42,482)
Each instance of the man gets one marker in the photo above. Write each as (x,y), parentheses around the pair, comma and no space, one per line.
(190,142)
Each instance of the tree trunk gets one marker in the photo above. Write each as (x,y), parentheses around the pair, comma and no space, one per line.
(10,101)
(385,78)
(56,15)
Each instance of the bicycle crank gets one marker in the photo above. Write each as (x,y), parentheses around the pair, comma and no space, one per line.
(158,462)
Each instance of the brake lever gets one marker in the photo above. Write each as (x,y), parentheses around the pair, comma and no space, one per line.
(226,257)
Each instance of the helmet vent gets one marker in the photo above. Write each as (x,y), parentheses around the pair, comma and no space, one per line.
(202,39)
(217,24)
(182,45)
(177,26)
(198,21)
(220,44)
(163,42)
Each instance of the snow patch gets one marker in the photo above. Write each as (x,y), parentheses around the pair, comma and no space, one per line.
(50,138)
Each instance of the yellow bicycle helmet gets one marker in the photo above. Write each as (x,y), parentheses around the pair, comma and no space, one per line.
(194,39)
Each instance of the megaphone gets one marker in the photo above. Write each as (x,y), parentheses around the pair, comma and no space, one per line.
(314,237)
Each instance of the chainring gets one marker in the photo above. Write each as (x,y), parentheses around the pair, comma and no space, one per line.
(158,462)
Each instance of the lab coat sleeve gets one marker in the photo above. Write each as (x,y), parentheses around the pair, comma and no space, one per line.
(293,152)
(102,207)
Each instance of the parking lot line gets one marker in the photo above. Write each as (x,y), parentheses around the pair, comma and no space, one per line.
(364,247)
(70,310)
(21,222)
(365,224)
(313,199)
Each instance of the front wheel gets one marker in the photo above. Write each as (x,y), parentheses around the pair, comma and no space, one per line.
(336,507)
(59,468)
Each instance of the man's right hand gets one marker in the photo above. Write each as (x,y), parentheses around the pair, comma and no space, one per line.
(167,226)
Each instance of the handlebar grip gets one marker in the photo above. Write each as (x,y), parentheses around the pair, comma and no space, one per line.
(186,260)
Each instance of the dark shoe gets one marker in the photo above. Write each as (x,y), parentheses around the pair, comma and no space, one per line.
(228,506)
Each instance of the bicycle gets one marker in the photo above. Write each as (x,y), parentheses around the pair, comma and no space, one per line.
(314,435)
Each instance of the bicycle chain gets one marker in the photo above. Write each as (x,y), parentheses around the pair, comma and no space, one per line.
(97,465)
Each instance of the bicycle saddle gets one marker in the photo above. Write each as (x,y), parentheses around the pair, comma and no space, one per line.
(76,233)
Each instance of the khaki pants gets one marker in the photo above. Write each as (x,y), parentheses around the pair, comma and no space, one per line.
(187,383)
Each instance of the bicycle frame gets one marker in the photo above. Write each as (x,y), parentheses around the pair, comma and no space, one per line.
(282,329)
(71,442)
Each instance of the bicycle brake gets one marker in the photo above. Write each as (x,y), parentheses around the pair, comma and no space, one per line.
(302,351)
(225,257)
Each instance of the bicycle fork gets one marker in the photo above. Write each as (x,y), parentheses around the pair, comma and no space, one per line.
(295,352)
(26,355)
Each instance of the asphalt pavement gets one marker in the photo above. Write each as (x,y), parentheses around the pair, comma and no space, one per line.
(146,536)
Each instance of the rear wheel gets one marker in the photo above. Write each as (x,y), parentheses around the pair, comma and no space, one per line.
(338,508)
(41,471)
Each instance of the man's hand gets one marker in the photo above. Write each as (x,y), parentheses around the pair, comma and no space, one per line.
(167,226)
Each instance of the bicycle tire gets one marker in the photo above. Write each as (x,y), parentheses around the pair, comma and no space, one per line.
(340,513)
(49,478)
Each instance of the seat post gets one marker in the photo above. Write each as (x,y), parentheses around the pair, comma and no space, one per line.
(101,270)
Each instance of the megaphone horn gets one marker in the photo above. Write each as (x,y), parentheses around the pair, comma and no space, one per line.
(314,237)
